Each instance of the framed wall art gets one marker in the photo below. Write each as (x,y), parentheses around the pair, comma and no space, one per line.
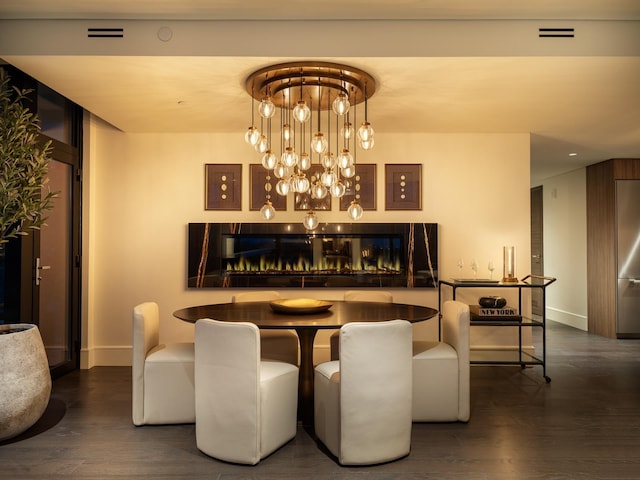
(263,183)
(403,187)
(223,186)
(361,187)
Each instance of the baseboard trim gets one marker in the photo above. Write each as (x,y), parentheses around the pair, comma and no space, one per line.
(567,318)
(113,356)
(502,348)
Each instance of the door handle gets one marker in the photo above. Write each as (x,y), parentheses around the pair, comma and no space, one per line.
(38,269)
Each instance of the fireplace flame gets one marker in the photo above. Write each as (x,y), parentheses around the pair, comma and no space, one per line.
(336,265)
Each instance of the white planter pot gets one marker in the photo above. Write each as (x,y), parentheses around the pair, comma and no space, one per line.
(25,381)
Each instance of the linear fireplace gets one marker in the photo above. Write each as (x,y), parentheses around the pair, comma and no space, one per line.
(279,255)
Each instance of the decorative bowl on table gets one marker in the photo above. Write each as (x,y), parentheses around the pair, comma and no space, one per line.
(299,306)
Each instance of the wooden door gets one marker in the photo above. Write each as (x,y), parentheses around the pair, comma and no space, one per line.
(537,246)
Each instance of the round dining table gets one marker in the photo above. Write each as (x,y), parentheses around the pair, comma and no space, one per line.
(306,326)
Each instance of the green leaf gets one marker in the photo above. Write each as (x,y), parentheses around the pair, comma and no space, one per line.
(23,164)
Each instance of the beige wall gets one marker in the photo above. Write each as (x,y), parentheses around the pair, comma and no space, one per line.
(565,247)
(141,191)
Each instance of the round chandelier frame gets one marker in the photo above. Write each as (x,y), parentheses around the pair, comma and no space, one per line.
(289,77)
(317,103)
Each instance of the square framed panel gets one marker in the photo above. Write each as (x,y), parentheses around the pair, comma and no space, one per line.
(304,201)
(263,183)
(361,187)
(223,186)
(403,187)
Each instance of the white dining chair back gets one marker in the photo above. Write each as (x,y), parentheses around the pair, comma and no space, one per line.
(441,390)
(374,295)
(281,345)
(256,296)
(245,407)
(162,373)
(363,401)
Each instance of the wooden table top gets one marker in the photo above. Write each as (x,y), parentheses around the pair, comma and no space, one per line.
(340,313)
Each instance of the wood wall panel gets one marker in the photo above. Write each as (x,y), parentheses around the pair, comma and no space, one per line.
(600,252)
(626,169)
(601,238)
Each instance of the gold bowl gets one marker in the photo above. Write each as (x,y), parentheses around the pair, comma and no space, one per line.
(299,306)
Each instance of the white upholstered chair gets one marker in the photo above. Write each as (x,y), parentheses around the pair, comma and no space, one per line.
(441,370)
(363,401)
(373,295)
(246,408)
(279,345)
(162,374)
(358,296)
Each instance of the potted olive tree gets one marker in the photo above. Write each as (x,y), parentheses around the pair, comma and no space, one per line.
(23,171)
(24,369)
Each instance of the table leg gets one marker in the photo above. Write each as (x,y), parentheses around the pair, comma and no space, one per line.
(305,379)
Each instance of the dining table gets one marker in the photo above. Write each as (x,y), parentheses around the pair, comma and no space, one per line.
(306,323)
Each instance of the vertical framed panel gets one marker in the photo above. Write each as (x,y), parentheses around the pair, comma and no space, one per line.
(361,187)
(403,187)
(223,186)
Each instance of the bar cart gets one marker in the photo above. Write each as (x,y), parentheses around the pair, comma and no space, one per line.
(520,356)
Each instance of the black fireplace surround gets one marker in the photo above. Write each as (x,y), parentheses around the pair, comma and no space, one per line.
(283,255)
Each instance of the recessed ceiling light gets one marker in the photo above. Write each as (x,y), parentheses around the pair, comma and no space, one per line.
(573,154)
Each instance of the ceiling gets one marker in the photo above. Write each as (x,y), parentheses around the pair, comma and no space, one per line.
(331,9)
(587,105)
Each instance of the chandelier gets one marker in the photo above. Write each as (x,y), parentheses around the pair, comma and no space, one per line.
(307,112)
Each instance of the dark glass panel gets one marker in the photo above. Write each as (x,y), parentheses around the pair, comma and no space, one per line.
(54,114)
(336,255)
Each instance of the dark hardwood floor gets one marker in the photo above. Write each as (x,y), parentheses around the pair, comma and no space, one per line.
(584,425)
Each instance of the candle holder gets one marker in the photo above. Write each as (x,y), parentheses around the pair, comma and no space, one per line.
(509,265)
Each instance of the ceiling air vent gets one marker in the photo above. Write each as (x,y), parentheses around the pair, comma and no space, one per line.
(105,32)
(556,32)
